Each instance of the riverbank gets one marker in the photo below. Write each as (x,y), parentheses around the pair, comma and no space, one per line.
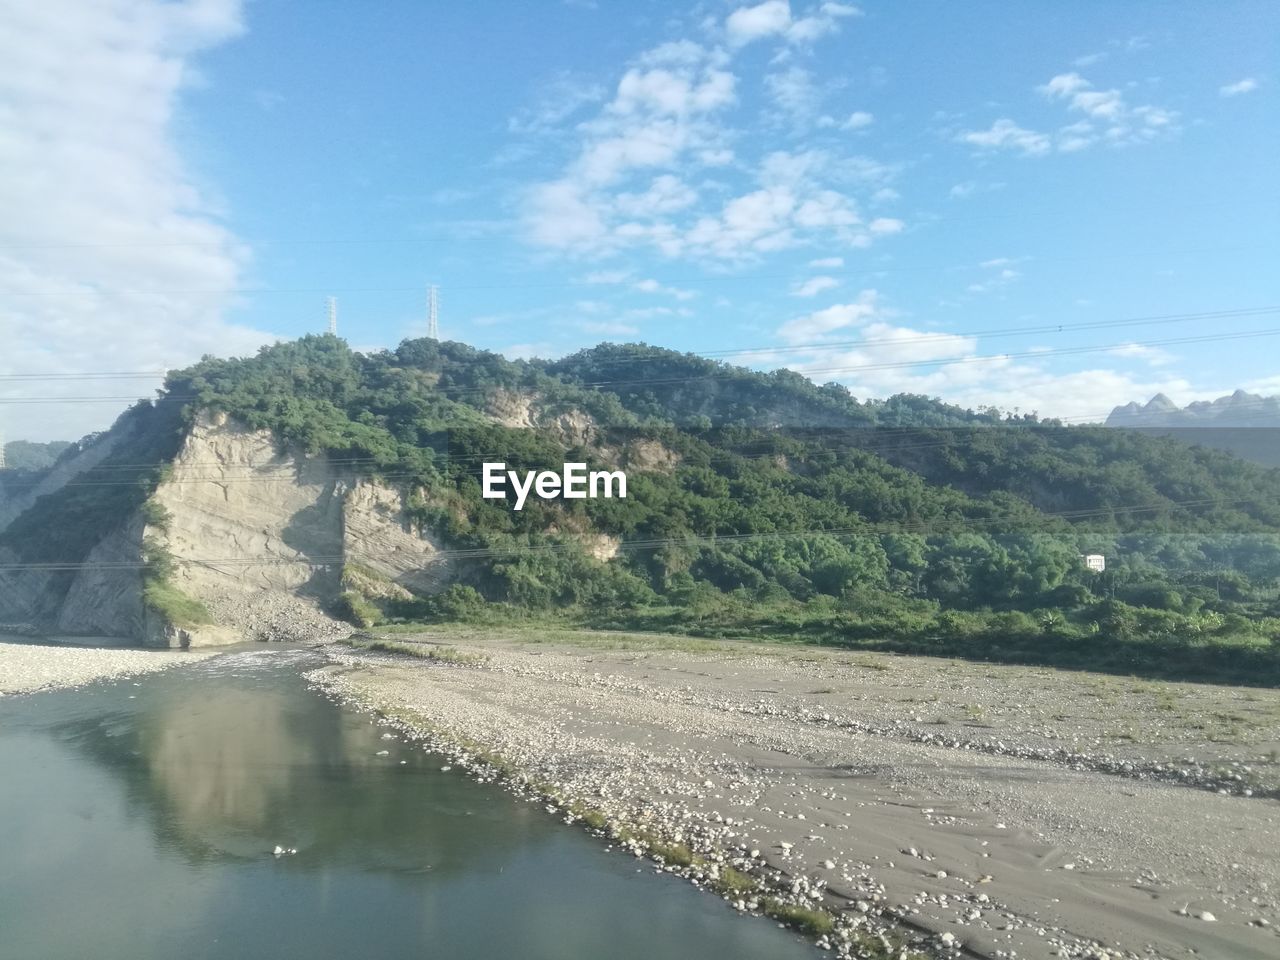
(29,667)
(987,808)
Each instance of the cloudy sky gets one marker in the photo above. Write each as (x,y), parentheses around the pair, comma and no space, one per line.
(971,201)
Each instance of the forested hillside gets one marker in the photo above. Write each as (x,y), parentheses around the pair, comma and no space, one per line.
(25,455)
(761,505)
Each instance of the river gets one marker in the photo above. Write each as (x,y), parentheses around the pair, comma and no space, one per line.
(138,820)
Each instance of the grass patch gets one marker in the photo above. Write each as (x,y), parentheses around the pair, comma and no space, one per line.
(734,883)
(589,815)
(809,920)
(354,572)
(425,651)
(352,607)
(174,606)
(675,854)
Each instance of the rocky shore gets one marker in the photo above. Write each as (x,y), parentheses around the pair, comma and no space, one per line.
(28,667)
(274,616)
(888,806)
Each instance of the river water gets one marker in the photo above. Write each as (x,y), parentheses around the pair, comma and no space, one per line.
(138,820)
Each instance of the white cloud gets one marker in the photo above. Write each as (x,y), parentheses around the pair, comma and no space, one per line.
(999,273)
(820,323)
(881,359)
(640,174)
(827,263)
(858,120)
(1266,386)
(1107,118)
(607,277)
(969,188)
(561,99)
(666,194)
(653,286)
(814,286)
(903,360)
(886,345)
(1110,119)
(1247,85)
(995,282)
(561,216)
(1064,85)
(1004,134)
(795,97)
(662,114)
(774,18)
(1137,351)
(607,328)
(753,23)
(118,260)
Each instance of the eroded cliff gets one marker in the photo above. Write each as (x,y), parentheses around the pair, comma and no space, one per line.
(253,540)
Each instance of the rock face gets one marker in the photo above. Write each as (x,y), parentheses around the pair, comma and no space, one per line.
(105,598)
(258,535)
(378,536)
(1240,409)
(246,517)
(1245,424)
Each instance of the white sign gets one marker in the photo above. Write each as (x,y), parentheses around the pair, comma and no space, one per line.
(572,483)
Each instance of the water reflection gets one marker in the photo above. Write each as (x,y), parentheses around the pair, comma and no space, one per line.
(137,822)
(256,766)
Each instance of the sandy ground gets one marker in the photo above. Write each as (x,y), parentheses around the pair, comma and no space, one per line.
(27,667)
(1000,811)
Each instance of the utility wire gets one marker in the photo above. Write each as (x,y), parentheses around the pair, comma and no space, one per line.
(745,374)
(924,527)
(817,346)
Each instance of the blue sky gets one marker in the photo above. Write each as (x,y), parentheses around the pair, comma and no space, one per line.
(849,190)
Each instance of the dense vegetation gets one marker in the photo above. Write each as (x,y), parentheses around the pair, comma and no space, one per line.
(764,505)
(25,455)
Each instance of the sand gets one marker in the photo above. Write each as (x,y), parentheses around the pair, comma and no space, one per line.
(1004,811)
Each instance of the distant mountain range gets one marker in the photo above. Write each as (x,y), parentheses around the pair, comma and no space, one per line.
(1245,424)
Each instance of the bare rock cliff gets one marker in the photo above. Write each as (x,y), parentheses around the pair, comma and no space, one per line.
(259,536)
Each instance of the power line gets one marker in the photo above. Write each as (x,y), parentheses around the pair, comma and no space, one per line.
(823,345)
(743,374)
(811,346)
(848,274)
(924,527)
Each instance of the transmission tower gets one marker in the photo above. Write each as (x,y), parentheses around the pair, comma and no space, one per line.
(433,312)
(333,316)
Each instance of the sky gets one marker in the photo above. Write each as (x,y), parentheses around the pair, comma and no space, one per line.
(970,201)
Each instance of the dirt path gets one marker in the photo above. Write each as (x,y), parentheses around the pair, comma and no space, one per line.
(998,809)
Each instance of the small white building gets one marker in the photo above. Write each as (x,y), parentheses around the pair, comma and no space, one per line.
(1094,561)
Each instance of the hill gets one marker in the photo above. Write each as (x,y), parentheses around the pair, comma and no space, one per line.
(758,504)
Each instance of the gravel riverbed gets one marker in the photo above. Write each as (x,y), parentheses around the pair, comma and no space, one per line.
(28,667)
(925,805)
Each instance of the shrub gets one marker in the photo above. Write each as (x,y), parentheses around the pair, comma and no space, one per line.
(174,606)
(355,609)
